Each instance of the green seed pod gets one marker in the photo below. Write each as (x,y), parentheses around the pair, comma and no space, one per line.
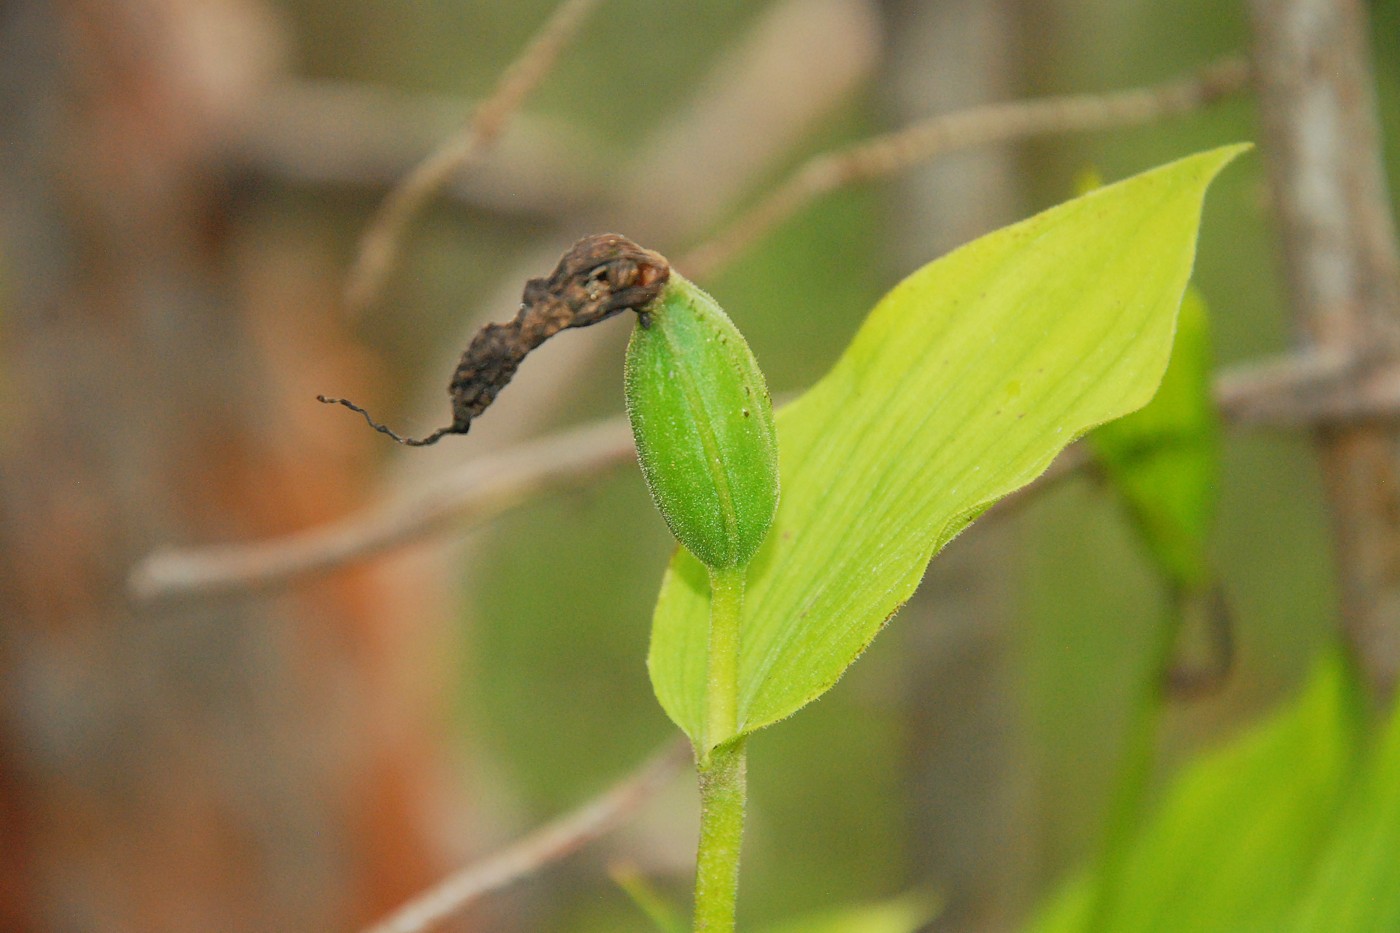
(703,422)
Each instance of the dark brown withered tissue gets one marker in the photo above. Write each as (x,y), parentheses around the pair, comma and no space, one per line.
(598,277)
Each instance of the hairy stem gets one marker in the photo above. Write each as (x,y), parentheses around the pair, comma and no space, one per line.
(721,830)
(722,664)
(721,761)
(1129,796)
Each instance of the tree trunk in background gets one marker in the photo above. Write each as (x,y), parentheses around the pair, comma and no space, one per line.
(1317,104)
(245,765)
(967,801)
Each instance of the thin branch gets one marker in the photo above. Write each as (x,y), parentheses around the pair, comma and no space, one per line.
(474,494)
(1302,389)
(549,843)
(977,126)
(1297,390)
(379,247)
(793,65)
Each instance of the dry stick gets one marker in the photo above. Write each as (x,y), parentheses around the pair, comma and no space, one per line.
(379,247)
(978,126)
(547,844)
(1323,147)
(477,492)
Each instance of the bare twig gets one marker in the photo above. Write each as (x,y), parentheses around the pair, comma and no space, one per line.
(1308,388)
(978,126)
(380,244)
(798,60)
(549,843)
(479,491)
(1323,147)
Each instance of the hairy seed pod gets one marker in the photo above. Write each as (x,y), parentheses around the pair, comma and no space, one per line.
(703,422)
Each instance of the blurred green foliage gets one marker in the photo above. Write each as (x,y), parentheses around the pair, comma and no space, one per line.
(1292,825)
(1238,832)
(1164,460)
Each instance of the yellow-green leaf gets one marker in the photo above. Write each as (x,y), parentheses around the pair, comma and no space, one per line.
(962,385)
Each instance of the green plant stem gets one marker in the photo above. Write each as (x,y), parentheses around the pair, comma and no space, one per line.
(722,664)
(649,900)
(721,830)
(1135,773)
(721,760)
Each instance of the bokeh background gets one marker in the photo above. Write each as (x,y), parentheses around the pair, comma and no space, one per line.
(182,183)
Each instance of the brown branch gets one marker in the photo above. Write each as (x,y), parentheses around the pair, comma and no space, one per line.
(379,247)
(795,63)
(1342,262)
(549,843)
(474,494)
(977,126)
(1309,388)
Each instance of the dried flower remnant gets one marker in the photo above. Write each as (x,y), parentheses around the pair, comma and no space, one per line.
(598,277)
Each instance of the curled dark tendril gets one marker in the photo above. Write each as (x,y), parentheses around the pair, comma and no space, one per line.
(598,277)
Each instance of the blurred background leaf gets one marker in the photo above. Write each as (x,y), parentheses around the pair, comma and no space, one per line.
(906,914)
(1239,830)
(1164,460)
(1355,884)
